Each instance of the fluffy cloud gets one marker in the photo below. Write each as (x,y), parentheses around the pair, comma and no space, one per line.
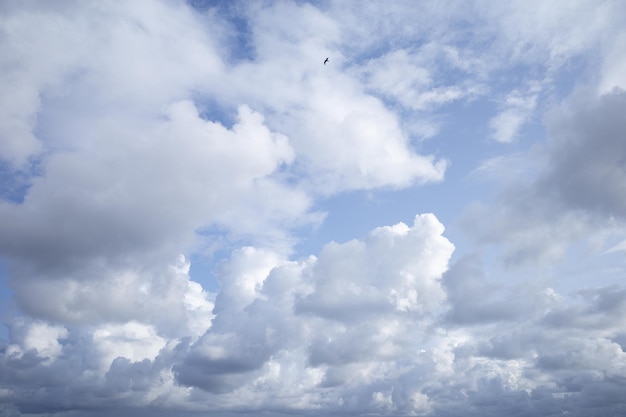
(120,66)
(40,337)
(331,333)
(344,138)
(276,322)
(370,290)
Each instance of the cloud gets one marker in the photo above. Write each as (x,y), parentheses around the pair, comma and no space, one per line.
(577,189)
(351,286)
(405,77)
(587,171)
(127,154)
(120,212)
(120,66)
(39,337)
(614,67)
(133,341)
(348,292)
(261,334)
(517,111)
(344,138)
(475,300)
(111,187)
(166,299)
(504,169)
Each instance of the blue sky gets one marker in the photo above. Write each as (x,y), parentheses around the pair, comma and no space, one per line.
(199,217)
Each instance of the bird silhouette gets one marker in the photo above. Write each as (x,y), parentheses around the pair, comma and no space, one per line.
(325,61)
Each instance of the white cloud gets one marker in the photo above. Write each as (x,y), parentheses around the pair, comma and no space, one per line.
(614,67)
(350,285)
(343,137)
(133,341)
(120,65)
(405,77)
(39,336)
(518,108)
(504,169)
(506,125)
(143,195)
(372,290)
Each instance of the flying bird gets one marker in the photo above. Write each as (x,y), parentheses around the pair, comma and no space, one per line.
(325,61)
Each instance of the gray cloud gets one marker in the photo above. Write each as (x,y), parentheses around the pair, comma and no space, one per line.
(587,155)
(578,190)
(474,300)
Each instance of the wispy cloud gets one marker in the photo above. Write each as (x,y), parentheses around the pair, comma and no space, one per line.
(517,109)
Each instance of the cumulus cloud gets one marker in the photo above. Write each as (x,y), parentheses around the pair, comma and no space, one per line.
(39,337)
(343,137)
(121,64)
(370,290)
(275,323)
(295,335)
(131,170)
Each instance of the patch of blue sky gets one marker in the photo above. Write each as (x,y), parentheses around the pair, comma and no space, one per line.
(575,72)
(6,295)
(203,5)
(353,214)
(589,266)
(215,245)
(211,110)
(14,184)
(382,47)
(238,36)
(464,141)
(202,268)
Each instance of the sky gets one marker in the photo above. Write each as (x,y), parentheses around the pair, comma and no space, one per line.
(199,217)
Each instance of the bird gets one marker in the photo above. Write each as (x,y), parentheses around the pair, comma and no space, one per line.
(325,61)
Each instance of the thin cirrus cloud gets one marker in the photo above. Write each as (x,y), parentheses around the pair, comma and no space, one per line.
(134,135)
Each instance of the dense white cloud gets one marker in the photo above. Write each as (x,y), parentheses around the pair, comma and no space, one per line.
(370,290)
(135,135)
(344,138)
(38,336)
(273,325)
